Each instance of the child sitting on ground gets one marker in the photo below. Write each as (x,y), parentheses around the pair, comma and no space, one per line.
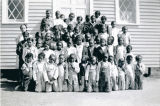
(52,72)
(139,71)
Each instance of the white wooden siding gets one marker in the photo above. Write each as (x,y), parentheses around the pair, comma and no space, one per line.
(146,36)
(9,32)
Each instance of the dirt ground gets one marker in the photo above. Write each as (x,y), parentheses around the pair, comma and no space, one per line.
(149,96)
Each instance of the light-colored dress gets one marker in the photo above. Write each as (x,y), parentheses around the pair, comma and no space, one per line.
(40,76)
(52,72)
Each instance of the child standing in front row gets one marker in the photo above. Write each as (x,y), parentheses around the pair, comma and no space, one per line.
(39,73)
(105,75)
(92,75)
(52,72)
(121,74)
(139,71)
(27,70)
(63,73)
(73,70)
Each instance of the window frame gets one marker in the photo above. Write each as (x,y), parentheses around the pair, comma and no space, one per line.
(5,19)
(118,14)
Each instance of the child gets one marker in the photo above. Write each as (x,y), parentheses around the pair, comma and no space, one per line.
(73,70)
(125,36)
(95,33)
(39,73)
(97,41)
(119,50)
(139,71)
(58,20)
(87,39)
(63,74)
(45,31)
(101,50)
(47,19)
(114,33)
(129,73)
(79,48)
(27,70)
(105,74)
(97,15)
(87,26)
(110,46)
(93,20)
(91,48)
(103,22)
(47,51)
(52,72)
(129,52)
(30,49)
(76,32)
(70,48)
(39,46)
(92,75)
(70,30)
(60,50)
(114,73)
(79,22)
(19,51)
(121,74)
(102,33)
(71,19)
(81,74)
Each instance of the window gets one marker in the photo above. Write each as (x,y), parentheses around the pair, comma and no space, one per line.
(127,12)
(14,11)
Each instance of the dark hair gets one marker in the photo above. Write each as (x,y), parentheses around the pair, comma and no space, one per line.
(124,27)
(104,17)
(80,17)
(41,54)
(109,57)
(29,55)
(113,22)
(71,14)
(129,57)
(129,46)
(111,39)
(25,33)
(24,25)
(138,57)
(30,39)
(53,56)
(98,12)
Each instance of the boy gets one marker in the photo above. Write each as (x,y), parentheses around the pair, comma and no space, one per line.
(58,20)
(97,16)
(102,32)
(71,19)
(129,68)
(27,70)
(125,36)
(105,75)
(139,71)
(92,75)
(30,49)
(114,33)
(87,26)
(129,52)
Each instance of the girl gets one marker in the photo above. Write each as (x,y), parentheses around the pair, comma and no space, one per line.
(52,72)
(47,51)
(39,73)
(92,75)
(39,46)
(121,74)
(105,76)
(119,50)
(102,33)
(27,70)
(139,71)
(101,50)
(73,70)
(79,23)
(30,49)
(114,33)
(63,74)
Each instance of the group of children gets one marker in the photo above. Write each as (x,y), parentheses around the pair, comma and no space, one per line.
(68,55)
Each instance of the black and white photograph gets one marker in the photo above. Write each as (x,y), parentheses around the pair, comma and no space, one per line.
(80,52)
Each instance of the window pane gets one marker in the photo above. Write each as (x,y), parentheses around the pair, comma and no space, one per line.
(16,9)
(127,11)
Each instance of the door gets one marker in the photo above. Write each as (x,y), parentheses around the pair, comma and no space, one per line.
(79,7)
